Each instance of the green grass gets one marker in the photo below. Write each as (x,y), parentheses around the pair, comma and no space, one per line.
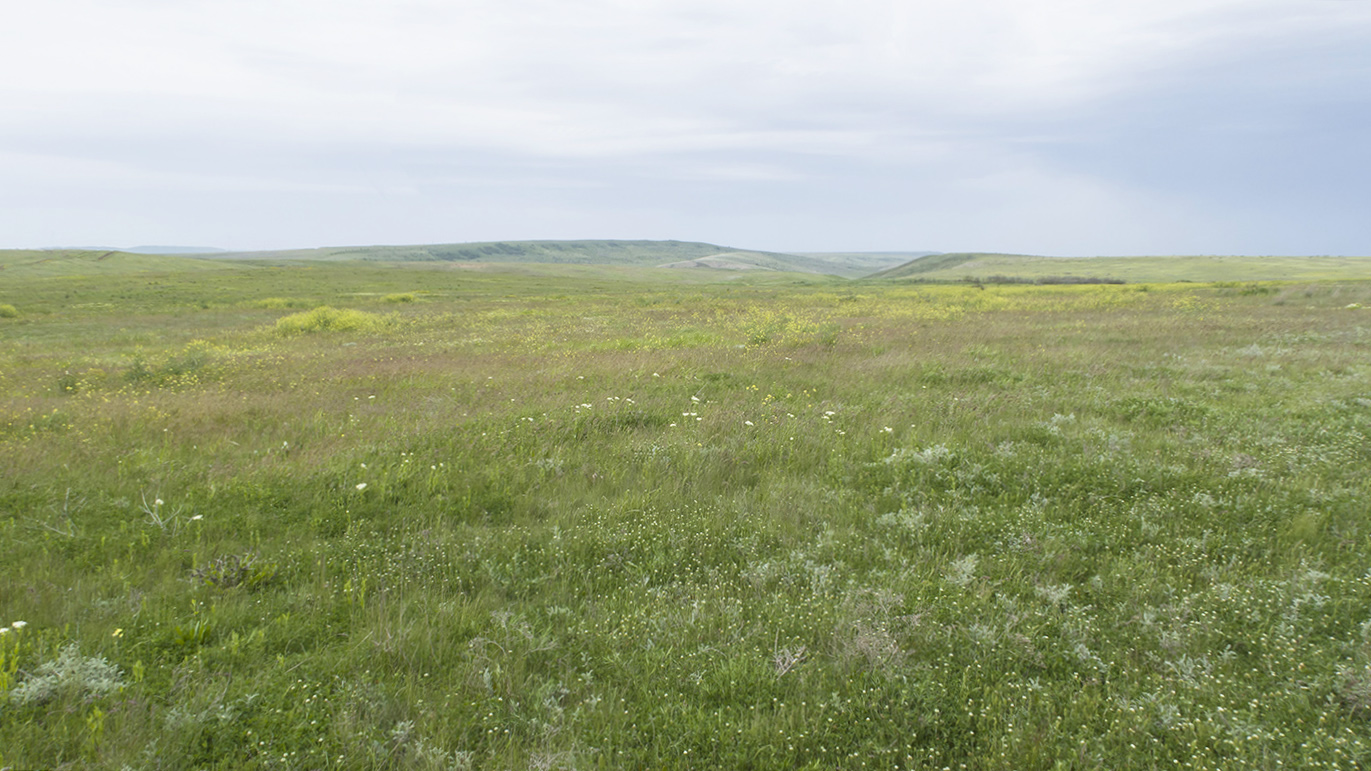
(590,516)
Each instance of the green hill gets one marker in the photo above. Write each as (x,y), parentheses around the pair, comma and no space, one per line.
(40,263)
(864,263)
(672,254)
(979,266)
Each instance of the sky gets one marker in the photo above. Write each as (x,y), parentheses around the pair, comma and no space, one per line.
(1064,127)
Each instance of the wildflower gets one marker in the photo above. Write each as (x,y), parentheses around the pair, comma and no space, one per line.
(19,624)
(197,517)
(157,502)
(747,422)
(695,398)
(117,633)
(361,486)
(4,630)
(888,430)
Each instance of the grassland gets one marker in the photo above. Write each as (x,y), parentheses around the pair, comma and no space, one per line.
(593,517)
(973,266)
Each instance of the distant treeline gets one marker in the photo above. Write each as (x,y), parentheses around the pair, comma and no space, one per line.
(1043,280)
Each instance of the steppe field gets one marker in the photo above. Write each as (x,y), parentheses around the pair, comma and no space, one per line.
(281,515)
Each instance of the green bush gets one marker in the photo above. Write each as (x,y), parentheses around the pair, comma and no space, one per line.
(329,319)
(8,311)
(399,297)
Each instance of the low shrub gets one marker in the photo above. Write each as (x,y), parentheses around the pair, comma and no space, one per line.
(329,319)
(71,674)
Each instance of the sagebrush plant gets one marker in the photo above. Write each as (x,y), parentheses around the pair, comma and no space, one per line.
(69,676)
(572,518)
(8,311)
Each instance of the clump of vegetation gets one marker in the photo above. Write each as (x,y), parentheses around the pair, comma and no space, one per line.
(71,675)
(8,311)
(399,297)
(247,570)
(279,303)
(329,319)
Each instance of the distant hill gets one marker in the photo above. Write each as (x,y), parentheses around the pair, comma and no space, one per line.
(865,263)
(173,250)
(989,267)
(38,263)
(939,263)
(668,254)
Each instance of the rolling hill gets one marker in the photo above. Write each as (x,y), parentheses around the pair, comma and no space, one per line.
(667,254)
(980,266)
(38,263)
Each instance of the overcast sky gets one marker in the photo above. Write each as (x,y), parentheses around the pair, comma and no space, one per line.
(1072,127)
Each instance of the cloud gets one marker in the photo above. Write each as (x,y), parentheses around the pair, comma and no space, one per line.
(350,97)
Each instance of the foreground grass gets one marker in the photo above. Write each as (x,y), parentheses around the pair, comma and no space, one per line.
(594,520)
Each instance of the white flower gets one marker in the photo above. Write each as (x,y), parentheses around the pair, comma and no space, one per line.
(888,430)
(747,422)
(695,398)
(157,502)
(19,624)
(4,630)
(361,486)
(197,517)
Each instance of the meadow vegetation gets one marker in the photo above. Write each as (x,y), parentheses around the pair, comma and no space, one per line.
(354,516)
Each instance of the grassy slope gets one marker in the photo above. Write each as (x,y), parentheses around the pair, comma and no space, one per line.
(657,519)
(625,253)
(953,267)
(16,264)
